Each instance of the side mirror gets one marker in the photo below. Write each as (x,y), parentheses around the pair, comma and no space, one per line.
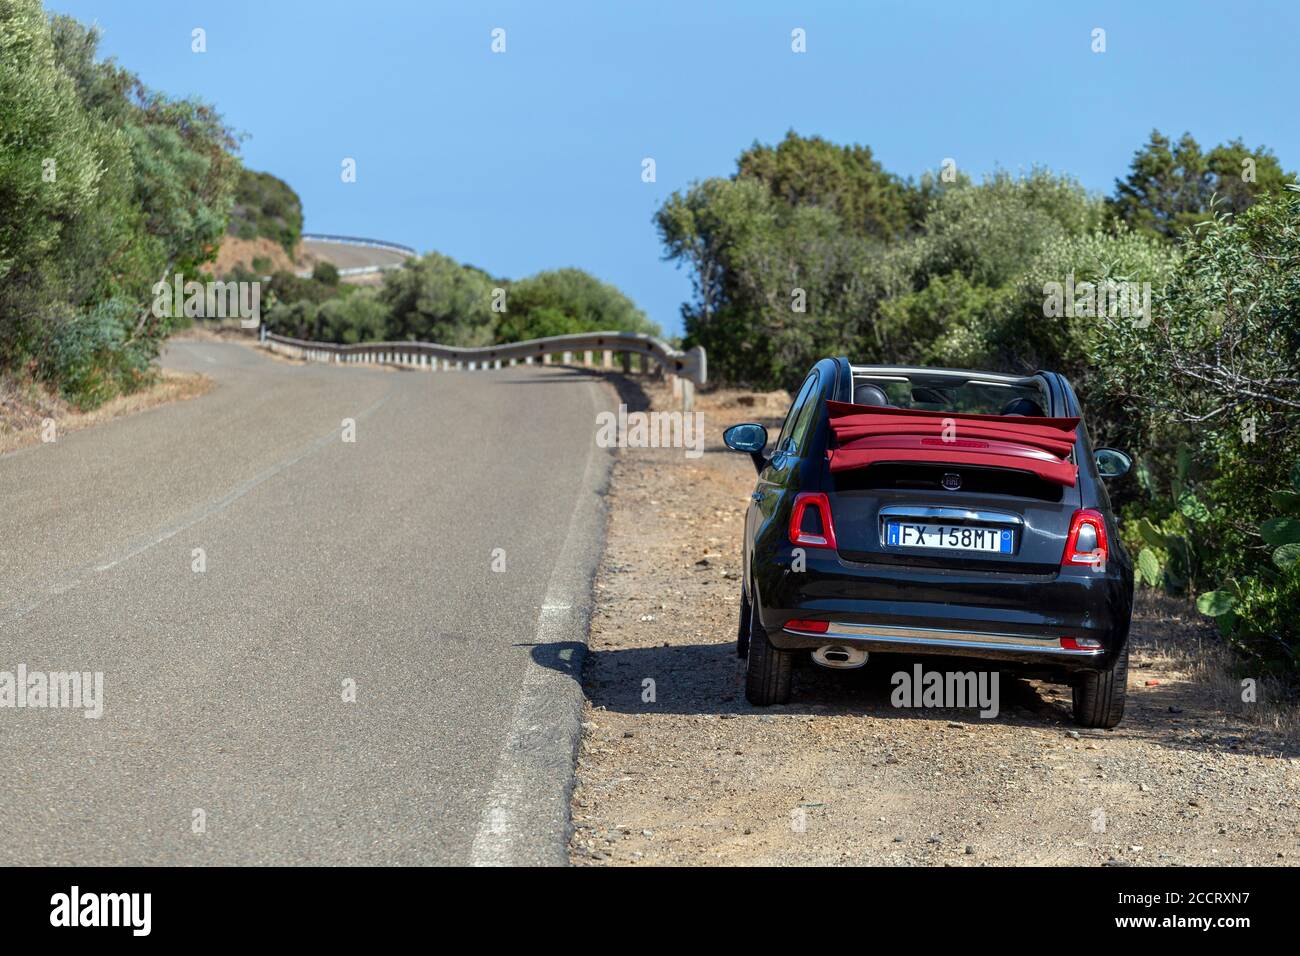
(750,438)
(1112,463)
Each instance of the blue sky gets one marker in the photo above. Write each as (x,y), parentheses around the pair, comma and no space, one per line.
(531,159)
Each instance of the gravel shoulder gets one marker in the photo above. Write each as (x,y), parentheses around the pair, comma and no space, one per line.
(698,776)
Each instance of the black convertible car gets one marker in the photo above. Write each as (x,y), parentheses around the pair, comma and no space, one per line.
(928,511)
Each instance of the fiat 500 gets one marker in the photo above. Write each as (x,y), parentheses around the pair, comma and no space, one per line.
(935,512)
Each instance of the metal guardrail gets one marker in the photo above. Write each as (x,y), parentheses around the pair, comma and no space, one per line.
(366,270)
(687,369)
(353,270)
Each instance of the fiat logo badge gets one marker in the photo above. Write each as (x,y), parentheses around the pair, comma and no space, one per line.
(951,481)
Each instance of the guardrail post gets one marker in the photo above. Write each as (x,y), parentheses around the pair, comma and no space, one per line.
(688,394)
(586,358)
(546,359)
(607,359)
(626,358)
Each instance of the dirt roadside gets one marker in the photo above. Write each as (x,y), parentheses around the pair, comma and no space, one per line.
(698,776)
(29,413)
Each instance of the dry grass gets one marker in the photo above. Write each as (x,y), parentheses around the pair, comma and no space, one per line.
(25,407)
(1179,639)
(235,251)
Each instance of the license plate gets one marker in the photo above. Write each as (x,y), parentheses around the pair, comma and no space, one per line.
(945,537)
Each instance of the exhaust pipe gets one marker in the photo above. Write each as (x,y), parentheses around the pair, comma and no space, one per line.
(839,657)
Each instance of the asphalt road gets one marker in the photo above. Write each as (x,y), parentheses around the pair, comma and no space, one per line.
(326,562)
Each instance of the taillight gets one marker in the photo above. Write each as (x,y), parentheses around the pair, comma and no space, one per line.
(1087,541)
(811,627)
(1080,644)
(800,530)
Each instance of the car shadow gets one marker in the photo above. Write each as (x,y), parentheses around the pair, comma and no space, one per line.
(708,679)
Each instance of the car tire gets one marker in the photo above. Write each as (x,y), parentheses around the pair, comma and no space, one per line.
(1099,695)
(742,632)
(769,669)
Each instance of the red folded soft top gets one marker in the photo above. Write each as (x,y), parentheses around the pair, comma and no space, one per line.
(866,435)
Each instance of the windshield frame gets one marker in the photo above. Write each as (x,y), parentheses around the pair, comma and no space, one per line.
(1015,386)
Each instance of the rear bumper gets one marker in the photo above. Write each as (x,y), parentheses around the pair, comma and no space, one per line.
(898,639)
(995,616)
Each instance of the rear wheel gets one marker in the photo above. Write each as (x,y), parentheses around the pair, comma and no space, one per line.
(742,633)
(1099,695)
(768,672)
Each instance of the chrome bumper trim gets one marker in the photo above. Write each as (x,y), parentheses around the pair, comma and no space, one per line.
(882,637)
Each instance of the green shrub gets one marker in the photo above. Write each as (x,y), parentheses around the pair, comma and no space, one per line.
(1258,613)
(105,187)
(326,273)
(564,301)
(266,206)
(90,358)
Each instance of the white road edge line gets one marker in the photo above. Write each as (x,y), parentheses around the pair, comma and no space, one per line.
(548,700)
